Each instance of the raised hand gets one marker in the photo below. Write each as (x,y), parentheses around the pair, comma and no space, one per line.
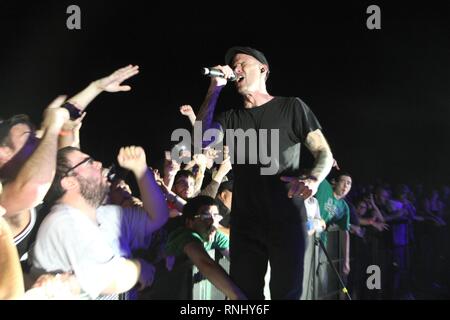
(55,116)
(112,83)
(201,160)
(186,110)
(219,81)
(133,158)
(335,165)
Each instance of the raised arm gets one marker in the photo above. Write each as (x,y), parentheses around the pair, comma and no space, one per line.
(70,133)
(34,178)
(206,112)
(186,110)
(133,158)
(111,83)
(212,271)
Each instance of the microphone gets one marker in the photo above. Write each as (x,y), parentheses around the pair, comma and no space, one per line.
(216,73)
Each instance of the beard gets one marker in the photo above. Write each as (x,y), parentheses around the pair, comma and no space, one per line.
(93,192)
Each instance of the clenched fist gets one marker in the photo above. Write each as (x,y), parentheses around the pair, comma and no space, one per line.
(133,158)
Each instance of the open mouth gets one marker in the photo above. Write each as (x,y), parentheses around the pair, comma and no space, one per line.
(240,78)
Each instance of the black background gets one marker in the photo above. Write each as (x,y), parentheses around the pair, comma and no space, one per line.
(382,96)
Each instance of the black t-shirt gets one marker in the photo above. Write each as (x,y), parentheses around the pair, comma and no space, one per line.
(261,200)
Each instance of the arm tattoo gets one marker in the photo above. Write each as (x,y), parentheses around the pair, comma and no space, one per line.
(318,146)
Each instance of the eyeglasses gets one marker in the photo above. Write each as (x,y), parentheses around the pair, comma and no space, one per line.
(207,216)
(88,160)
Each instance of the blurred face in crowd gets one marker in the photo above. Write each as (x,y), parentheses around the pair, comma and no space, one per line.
(205,222)
(184,187)
(90,176)
(343,186)
(226,197)
(119,192)
(382,196)
(18,147)
(361,208)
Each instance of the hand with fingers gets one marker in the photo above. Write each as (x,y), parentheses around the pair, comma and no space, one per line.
(171,167)
(335,165)
(301,187)
(133,158)
(112,83)
(219,81)
(201,160)
(186,110)
(55,116)
(58,286)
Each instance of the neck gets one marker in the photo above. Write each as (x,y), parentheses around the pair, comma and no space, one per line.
(256,99)
(337,196)
(78,202)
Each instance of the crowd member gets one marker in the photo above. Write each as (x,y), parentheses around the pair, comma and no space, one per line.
(96,242)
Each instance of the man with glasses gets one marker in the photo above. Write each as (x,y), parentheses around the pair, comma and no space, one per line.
(189,245)
(96,241)
(27,162)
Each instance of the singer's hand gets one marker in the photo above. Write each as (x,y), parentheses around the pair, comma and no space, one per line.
(219,81)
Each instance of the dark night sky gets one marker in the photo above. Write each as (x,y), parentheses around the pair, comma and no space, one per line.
(382,97)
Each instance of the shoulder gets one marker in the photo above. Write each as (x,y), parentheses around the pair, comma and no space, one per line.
(60,213)
(220,237)
(61,222)
(108,210)
(325,185)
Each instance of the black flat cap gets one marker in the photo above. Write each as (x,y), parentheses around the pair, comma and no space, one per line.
(258,55)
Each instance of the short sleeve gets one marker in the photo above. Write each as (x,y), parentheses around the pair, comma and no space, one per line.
(221,241)
(178,239)
(139,227)
(304,120)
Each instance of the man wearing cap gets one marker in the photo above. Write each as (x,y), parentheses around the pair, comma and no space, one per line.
(268,213)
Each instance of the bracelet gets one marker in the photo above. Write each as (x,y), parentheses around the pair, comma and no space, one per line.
(65,133)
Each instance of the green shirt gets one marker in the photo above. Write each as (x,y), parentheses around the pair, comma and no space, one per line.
(180,237)
(332,210)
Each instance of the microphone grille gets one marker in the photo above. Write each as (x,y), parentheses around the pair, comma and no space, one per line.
(205,71)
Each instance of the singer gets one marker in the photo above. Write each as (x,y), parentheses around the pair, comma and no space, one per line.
(268,220)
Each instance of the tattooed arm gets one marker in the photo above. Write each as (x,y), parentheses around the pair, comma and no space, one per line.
(307,187)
